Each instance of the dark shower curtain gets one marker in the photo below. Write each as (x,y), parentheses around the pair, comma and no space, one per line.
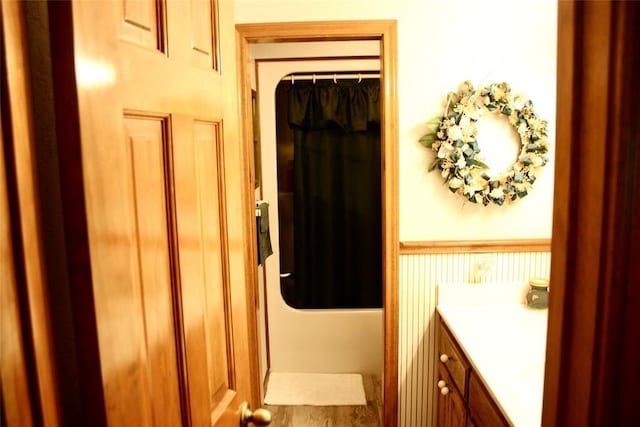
(337,200)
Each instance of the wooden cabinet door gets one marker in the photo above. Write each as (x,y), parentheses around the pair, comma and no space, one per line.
(451,411)
(158,126)
(482,406)
(450,406)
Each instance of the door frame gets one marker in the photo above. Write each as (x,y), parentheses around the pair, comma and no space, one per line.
(386,32)
(593,341)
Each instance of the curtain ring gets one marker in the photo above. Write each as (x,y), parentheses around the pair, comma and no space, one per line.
(314,78)
(359,77)
(293,79)
(335,80)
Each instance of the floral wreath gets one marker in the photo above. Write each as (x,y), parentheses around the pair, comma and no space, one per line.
(453,140)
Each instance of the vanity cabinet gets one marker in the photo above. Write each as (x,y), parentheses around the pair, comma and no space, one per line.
(462,398)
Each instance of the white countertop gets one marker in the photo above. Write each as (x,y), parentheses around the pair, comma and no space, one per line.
(505,342)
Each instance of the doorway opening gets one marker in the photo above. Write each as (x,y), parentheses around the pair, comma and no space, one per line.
(384,33)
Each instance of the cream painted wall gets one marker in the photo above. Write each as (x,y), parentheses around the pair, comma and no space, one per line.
(440,44)
(315,49)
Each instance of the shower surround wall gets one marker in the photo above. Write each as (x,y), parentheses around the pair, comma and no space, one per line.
(321,341)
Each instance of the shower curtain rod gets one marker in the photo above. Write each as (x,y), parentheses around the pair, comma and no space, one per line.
(335,76)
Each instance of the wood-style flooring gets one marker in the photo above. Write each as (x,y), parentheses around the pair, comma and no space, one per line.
(334,416)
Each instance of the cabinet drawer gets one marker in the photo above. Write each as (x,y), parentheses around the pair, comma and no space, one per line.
(450,356)
(482,408)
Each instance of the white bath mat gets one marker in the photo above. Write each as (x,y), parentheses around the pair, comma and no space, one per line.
(315,389)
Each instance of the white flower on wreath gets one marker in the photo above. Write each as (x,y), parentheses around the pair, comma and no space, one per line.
(523,129)
(536,124)
(455,183)
(454,133)
(497,193)
(476,185)
(444,150)
(471,111)
(498,93)
(518,101)
(465,87)
(537,161)
(468,190)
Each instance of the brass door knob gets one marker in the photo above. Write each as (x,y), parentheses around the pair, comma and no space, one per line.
(259,417)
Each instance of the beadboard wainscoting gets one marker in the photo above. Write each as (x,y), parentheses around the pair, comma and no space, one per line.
(419,275)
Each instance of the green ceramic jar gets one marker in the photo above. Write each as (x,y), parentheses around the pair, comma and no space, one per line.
(538,294)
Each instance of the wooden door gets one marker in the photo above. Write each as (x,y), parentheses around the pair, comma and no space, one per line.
(17,406)
(158,141)
(29,388)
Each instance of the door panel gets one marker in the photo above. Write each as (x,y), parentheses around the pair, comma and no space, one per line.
(202,248)
(191,265)
(142,22)
(203,32)
(210,185)
(147,138)
(160,198)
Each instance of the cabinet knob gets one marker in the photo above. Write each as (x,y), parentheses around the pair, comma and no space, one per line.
(444,358)
(441,383)
(444,391)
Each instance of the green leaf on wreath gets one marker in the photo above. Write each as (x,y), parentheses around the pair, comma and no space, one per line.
(506,111)
(428,140)
(435,121)
(491,107)
(480,164)
(435,164)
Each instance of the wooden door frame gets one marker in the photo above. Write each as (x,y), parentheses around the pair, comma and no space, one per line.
(386,32)
(33,379)
(593,342)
